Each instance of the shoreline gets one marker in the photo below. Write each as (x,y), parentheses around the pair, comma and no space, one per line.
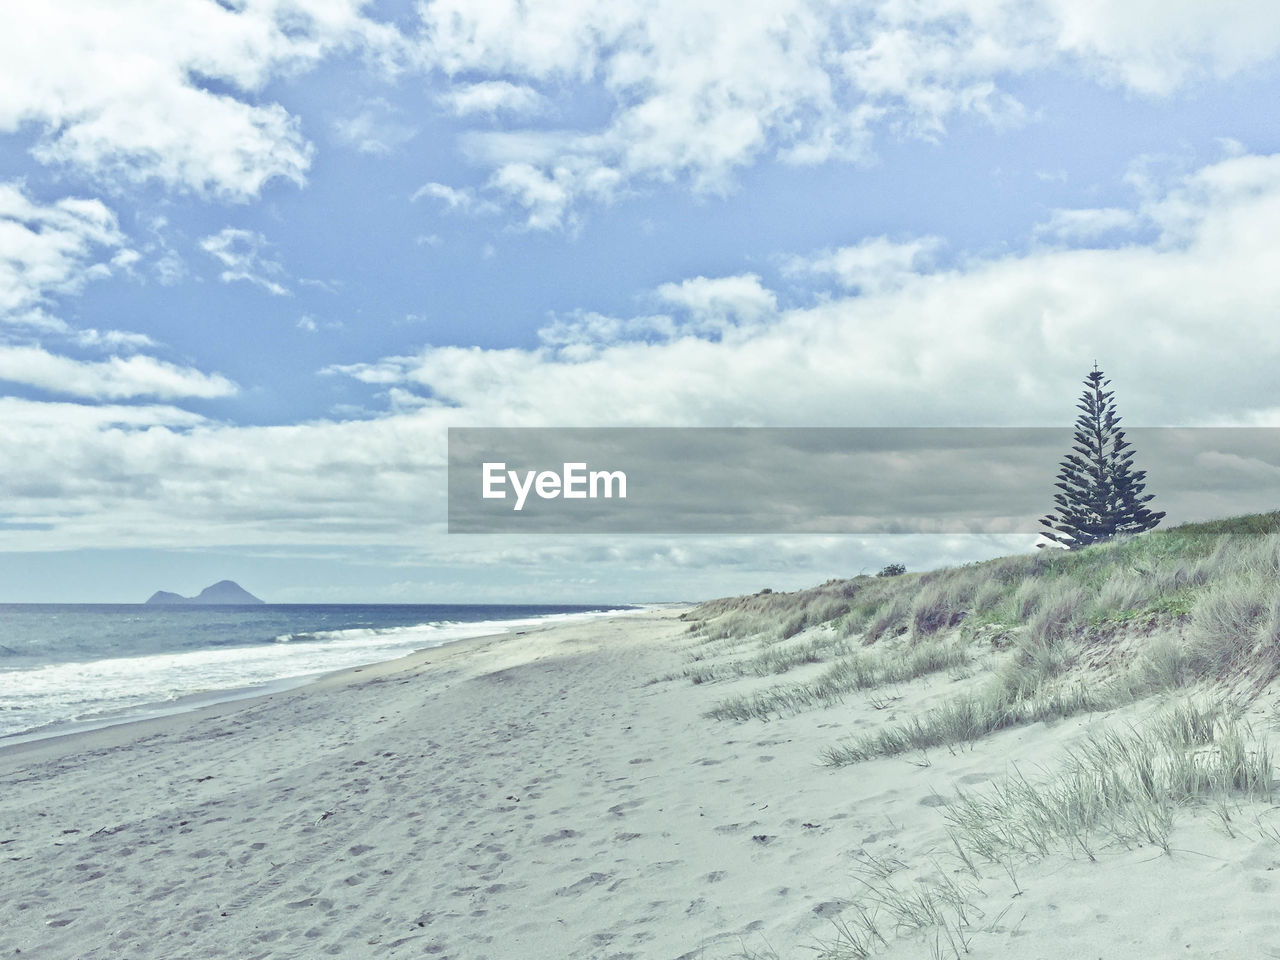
(118,731)
(216,696)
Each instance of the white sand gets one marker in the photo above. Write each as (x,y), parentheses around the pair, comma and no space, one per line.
(534,797)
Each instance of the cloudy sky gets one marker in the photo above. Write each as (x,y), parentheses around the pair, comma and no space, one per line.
(256,256)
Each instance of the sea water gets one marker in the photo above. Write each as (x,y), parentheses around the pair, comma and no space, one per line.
(70,666)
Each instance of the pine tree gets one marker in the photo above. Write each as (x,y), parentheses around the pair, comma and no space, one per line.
(1101,494)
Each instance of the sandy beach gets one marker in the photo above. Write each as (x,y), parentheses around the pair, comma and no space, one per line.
(548,795)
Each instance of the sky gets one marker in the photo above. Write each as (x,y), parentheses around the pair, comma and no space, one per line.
(257,256)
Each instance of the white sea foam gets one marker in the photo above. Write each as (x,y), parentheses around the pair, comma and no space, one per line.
(40,701)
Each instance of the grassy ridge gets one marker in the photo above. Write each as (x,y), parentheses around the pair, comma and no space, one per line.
(1064,631)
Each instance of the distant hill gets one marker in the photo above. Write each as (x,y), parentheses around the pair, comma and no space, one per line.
(224,591)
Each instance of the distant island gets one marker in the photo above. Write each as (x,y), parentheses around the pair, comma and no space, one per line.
(224,591)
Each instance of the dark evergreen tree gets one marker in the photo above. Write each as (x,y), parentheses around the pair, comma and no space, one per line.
(1101,494)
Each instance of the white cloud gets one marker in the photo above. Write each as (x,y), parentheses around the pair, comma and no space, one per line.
(375,129)
(113,339)
(700,307)
(126,476)
(1231,185)
(1155,46)
(388,370)
(36,321)
(699,88)
(1184,323)
(241,253)
(40,415)
(453,198)
(581,334)
(1073,226)
(493,96)
(909,342)
(714,303)
(875,265)
(166,264)
(547,196)
(500,148)
(463,200)
(169,268)
(48,249)
(114,379)
(328,286)
(923,65)
(118,89)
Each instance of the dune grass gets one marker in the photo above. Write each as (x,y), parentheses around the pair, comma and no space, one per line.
(1123,787)
(967,718)
(1120,786)
(860,670)
(1064,631)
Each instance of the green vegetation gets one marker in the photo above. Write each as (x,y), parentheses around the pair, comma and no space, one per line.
(1060,632)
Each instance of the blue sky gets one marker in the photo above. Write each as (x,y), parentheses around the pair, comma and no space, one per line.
(256,257)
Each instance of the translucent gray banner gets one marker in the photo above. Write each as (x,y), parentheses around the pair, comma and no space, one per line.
(826,480)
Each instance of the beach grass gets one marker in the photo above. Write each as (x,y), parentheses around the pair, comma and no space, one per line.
(1180,626)
(1062,632)
(859,670)
(1121,788)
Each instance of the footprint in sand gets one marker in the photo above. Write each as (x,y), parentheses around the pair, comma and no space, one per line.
(586,883)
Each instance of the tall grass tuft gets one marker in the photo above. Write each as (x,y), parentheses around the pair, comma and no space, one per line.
(1227,622)
(1123,786)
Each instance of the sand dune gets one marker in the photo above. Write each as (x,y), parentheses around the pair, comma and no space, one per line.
(538,796)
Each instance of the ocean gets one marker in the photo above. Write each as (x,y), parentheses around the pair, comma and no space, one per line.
(75,666)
